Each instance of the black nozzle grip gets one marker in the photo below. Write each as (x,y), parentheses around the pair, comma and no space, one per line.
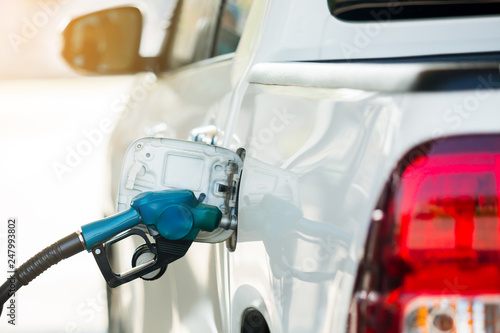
(166,251)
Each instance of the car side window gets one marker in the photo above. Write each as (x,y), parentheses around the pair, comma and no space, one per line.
(232,23)
(195,31)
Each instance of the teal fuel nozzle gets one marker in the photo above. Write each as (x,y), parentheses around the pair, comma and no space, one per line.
(175,214)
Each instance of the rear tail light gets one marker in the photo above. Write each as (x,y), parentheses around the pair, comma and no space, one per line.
(432,259)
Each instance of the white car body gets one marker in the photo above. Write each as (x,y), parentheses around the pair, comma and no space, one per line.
(321,140)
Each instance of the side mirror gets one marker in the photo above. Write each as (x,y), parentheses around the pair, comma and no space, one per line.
(104,42)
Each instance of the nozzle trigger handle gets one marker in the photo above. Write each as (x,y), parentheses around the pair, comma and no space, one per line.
(166,251)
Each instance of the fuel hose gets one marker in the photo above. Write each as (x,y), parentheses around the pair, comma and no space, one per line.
(51,255)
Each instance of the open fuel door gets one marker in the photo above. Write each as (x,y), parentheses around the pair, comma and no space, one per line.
(212,173)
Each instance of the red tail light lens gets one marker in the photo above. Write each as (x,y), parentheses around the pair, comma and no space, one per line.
(432,261)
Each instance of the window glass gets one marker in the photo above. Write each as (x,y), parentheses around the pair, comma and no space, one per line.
(194,32)
(231,27)
(388,10)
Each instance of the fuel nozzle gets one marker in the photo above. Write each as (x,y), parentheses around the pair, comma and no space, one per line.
(175,216)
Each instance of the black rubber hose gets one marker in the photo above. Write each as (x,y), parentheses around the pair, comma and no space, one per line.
(51,255)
